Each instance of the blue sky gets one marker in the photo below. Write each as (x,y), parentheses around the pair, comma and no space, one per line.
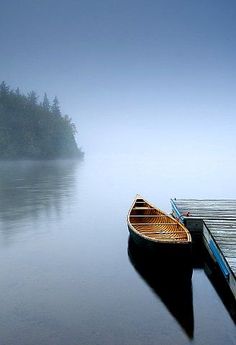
(129,71)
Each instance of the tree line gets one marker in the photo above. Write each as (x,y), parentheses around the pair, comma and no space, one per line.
(30,129)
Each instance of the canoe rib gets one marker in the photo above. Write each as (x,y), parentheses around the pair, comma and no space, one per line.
(147,221)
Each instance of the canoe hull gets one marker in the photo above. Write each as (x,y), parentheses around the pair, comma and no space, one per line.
(175,250)
(173,259)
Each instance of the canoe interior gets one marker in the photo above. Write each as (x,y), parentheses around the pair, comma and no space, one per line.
(150,222)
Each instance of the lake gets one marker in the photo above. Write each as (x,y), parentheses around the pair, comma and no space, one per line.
(66,273)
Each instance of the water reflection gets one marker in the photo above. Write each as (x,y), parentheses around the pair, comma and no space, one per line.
(174,287)
(202,260)
(221,287)
(32,189)
(198,255)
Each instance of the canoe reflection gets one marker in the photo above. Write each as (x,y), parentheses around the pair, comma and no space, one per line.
(171,283)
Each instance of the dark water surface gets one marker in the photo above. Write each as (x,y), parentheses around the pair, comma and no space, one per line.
(66,274)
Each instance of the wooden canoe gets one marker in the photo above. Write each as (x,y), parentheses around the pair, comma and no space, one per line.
(152,227)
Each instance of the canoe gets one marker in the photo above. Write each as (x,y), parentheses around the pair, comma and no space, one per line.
(154,229)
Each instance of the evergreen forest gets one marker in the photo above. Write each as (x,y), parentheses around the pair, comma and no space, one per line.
(30,129)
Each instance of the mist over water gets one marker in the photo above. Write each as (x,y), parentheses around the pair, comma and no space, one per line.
(151,88)
(66,276)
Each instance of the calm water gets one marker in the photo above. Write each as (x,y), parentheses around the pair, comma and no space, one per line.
(66,276)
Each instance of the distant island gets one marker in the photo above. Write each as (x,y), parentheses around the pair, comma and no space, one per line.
(30,129)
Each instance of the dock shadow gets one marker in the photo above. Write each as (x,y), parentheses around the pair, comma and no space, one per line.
(203,260)
(220,285)
(169,282)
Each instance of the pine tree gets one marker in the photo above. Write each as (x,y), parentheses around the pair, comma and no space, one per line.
(32,98)
(70,124)
(46,104)
(4,89)
(28,130)
(55,107)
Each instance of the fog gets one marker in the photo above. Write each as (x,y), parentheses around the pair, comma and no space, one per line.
(134,76)
(146,83)
(150,86)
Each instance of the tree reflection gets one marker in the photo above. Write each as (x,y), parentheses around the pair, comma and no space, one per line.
(29,190)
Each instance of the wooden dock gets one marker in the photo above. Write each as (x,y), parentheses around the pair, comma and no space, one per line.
(216,220)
